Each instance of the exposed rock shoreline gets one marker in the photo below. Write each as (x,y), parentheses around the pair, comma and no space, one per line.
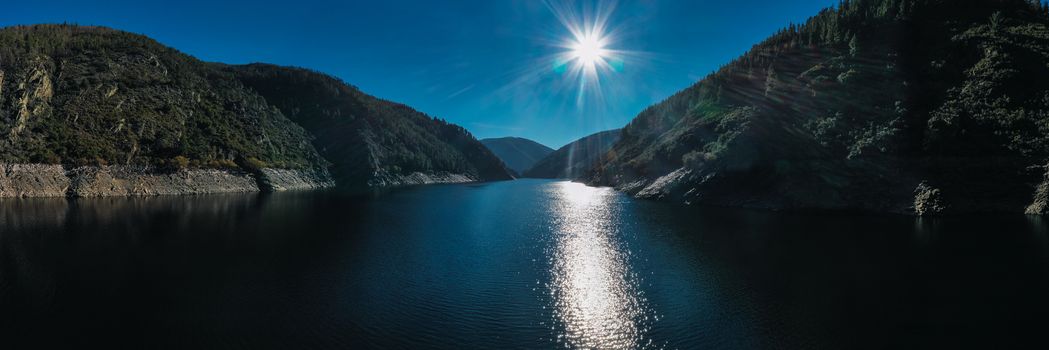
(858,191)
(48,180)
(383,179)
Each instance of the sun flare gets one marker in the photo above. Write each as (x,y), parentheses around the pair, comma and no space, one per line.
(589,50)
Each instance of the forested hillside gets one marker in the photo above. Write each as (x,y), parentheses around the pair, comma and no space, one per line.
(370,139)
(90,96)
(917,106)
(574,159)
(519,154)
(95,96)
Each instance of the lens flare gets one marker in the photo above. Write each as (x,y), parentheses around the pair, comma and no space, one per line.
(589,50)
(587,54)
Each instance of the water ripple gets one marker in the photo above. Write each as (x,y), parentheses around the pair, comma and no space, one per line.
(595,295)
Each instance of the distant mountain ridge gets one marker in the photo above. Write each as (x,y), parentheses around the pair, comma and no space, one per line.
(519,154)
(119,110)
(574,160)
(906,106)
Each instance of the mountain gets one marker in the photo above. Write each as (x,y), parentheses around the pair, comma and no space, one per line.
(97,111)
(371,142)
(519,154)
(905,106)
(574,159)
(95,96)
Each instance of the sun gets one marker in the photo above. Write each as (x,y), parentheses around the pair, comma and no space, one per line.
(589,50)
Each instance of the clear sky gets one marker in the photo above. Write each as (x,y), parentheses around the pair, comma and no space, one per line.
(495,67)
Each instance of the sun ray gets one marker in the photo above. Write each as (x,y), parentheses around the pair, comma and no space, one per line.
(587,55)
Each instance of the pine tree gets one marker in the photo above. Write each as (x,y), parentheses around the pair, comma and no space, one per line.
(996,21)
(771,80)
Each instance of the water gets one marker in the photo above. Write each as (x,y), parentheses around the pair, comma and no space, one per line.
(523,264)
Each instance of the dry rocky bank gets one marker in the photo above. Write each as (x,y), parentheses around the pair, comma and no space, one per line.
(47,180)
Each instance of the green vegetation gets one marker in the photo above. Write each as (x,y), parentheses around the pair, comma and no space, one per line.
(86,95)
(519,154)
(363,135)
(78,95)
(574,159)
(856,107)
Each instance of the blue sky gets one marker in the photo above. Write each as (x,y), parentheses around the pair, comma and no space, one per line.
(487,65)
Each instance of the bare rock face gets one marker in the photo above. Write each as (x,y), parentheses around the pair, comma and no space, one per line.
(33,180)
(665,185)
(36,92)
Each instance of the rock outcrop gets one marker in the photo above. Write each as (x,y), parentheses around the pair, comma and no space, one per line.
(383,180)
(129,181)
(33,180)
(278,180)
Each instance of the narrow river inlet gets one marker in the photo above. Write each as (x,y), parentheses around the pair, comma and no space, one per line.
(508,265)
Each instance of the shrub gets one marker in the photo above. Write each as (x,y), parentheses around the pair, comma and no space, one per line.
(180,162)
(252,163)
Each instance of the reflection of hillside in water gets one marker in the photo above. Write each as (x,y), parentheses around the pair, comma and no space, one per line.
(29,213)
(82,252)
(38,234)
(18,214)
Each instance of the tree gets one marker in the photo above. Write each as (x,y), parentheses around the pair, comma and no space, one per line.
(854,46)
(996,21)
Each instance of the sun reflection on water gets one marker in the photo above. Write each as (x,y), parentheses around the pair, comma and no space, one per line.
(596,297)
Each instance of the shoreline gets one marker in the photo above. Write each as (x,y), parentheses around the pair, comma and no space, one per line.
(52,180)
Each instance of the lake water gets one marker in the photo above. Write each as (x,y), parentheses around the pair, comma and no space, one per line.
(521,264)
